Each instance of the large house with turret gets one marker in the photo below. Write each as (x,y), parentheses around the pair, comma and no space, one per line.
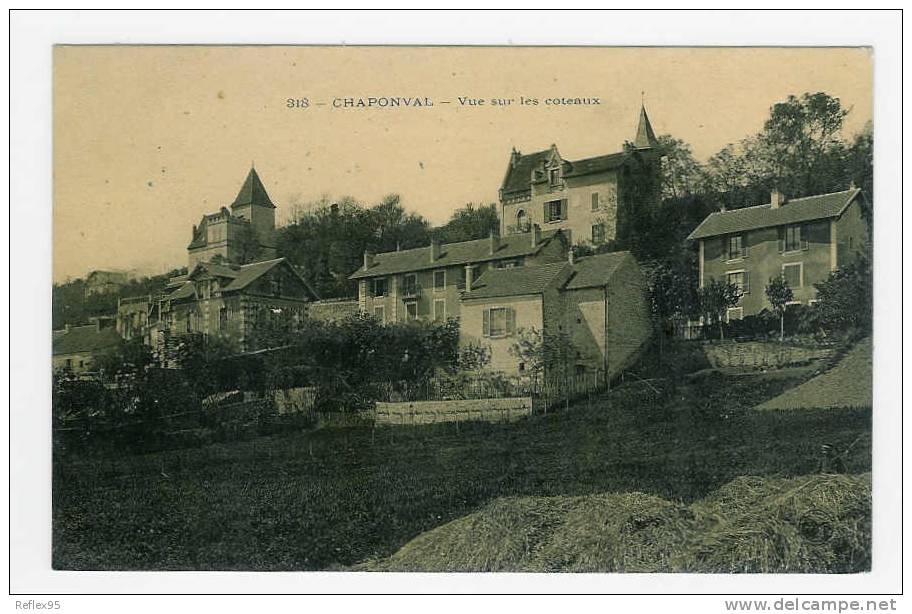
(235,283)
(593,200)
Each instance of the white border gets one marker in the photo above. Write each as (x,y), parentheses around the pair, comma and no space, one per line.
(32,35)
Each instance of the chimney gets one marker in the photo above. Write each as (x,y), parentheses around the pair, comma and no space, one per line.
(435,250)
(469,279)
(514,157)
(494,239)
(536,235)
(571,258)
(368,260)
(777,199)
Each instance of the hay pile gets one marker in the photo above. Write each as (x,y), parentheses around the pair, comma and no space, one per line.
(811,524)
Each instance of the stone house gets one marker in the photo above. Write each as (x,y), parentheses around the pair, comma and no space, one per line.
(75,348)
(425,283)
(597,303)
(231,300)
(105,282)
(245,232)
(591,199)
(802,239)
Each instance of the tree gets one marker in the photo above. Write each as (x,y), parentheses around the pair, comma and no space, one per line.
(542,355)
(844,298)
(779,295)
(671,293)
(715,298)
(469,222)
(680,170)
(248,245)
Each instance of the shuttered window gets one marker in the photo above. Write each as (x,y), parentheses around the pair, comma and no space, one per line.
(499,322)
(793,274)
(790,239)
(741,279)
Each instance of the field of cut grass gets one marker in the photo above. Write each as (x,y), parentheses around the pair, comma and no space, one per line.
(847,384)
(333,498)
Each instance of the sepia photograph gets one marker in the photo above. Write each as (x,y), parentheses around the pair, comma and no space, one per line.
(462,309)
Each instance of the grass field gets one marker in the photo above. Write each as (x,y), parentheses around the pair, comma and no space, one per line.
(848,384)
(336,497)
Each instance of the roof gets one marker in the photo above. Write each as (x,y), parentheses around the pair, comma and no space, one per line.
(519,175)
(517,280)
(645,137)
(597,164)
(452,254)
(83,339)
(764,216)
(241,277)
(252,192)
(595,271)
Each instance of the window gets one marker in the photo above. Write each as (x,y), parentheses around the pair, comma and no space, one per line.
(736,247)
(554,176)
(741,279)
(794,274)
(792,238)
(734,313)
(498,322)
(411,310)
(554,211)
(380,313)
(595,201)
(439,310)
(509,264)
(440,280)
(410,284)
(598,233)
(379,286)
(522,222)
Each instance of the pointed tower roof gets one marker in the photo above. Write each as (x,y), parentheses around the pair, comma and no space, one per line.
(645,138)
(252,192)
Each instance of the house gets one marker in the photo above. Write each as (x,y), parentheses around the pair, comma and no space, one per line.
(591,199)
(75,348)
(234,284)
(802,239)
(425,283)
(104,282)
(232,300)
(242,234)
(596,303)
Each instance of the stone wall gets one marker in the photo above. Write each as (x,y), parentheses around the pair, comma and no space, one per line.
(759,354)
(462,410)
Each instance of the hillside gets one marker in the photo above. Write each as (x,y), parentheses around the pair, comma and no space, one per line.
(335,497)
(847,384)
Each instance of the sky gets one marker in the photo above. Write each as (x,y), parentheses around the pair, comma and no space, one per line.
(147,139)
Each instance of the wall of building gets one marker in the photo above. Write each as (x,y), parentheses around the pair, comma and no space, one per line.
(76,363)
(580,216)
(629,327)
(528,313)
(764,261)
(332,310)
(462,410)
(851,234)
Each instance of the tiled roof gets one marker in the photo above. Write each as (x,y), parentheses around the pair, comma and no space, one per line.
(764,216)
(595,271)
(597,164)
(249,273)
(82,339)
(243,276)
(645,137)
(517,281)
(218,270)
(451,254)
(253,192)
(519,177)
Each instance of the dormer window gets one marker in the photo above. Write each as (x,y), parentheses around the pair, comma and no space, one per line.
(554,176)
